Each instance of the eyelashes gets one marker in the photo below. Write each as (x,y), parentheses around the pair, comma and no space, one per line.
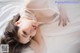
(24,33)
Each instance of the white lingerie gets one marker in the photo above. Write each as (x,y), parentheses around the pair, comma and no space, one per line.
(40,8)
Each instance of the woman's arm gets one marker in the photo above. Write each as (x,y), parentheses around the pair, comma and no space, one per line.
(37,43)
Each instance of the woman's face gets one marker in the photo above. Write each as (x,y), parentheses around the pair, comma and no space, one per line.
(27,29)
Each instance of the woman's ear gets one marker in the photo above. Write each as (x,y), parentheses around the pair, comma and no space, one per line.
(17,23)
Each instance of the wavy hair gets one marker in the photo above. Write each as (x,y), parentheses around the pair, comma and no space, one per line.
(11,38)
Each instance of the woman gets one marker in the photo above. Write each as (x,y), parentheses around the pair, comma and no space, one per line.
(24,29)
(21,33)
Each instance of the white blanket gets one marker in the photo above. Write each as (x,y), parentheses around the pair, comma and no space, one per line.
(58,39)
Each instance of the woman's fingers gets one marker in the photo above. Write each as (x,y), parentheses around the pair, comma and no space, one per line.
(59,21)
(63,21)
(66,20)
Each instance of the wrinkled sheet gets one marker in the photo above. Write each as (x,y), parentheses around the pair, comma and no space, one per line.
(58,39)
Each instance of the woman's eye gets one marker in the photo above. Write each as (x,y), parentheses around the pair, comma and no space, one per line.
(24,33)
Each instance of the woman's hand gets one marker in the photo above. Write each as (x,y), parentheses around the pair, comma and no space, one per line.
(63,18)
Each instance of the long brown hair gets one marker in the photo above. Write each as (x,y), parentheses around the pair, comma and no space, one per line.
(10,37)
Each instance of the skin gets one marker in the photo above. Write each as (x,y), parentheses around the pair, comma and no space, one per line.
(27,29)
(24,24)
(38,43)
(63,18)
(32,29)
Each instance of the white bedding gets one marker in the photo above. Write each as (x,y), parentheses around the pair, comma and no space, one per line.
(58,39)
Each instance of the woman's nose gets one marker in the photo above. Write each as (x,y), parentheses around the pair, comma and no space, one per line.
(35,24)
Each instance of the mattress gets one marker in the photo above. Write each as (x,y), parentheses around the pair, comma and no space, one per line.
(58,39)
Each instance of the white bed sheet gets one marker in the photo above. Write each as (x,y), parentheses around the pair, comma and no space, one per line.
(58,39)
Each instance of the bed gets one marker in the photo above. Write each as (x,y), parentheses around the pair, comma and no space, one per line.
(58,39)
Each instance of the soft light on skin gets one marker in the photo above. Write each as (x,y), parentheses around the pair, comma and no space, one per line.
(27,29)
